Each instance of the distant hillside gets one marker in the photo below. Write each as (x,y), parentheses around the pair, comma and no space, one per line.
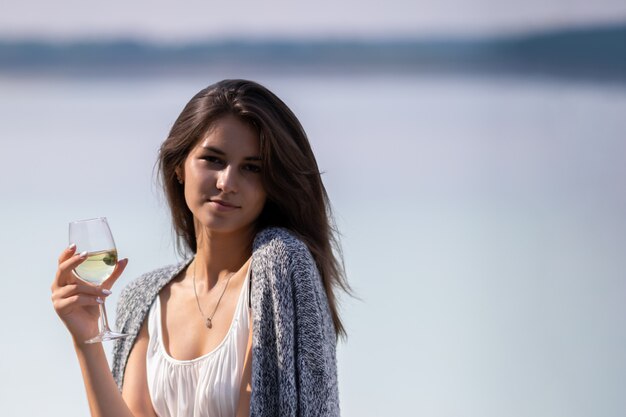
(595,52)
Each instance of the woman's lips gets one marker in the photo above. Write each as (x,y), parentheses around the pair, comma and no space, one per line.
(222,205)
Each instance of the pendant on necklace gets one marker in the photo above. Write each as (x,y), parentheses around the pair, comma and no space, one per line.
(208,323)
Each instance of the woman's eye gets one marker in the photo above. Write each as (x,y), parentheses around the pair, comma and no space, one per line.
(213,159)
(253,168)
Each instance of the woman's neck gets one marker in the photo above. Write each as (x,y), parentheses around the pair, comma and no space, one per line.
(219,255)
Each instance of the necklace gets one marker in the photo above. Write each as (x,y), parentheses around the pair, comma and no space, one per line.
(208,321)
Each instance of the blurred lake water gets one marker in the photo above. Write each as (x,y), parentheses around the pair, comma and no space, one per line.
(483,223)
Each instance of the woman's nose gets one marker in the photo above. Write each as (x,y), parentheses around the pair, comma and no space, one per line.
(226,181)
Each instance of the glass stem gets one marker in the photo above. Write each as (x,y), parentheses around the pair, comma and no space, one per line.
(104,321)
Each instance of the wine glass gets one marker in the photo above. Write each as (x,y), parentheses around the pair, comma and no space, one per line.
(94,237)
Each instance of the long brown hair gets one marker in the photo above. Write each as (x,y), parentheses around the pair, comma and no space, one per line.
(296,197)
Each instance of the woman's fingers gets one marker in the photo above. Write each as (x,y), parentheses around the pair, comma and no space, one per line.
(66,298)
(64,273)
(78,288)
(67,253)
(119,268)
(63,257)
(63,304)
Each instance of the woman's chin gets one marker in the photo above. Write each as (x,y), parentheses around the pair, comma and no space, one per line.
(220,226)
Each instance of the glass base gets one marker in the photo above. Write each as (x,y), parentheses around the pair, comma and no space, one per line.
(105,337)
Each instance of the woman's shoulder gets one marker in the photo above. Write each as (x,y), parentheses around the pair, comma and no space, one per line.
(280,248)
(150,278)
(279,240)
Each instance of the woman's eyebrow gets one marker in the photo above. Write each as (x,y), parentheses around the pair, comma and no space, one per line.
(214,149)
(221,152)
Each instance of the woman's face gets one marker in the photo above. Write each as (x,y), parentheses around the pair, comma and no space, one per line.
(222,177)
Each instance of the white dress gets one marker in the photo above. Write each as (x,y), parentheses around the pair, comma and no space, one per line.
(207,386)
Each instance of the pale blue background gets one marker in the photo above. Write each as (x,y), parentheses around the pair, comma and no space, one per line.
(168,21)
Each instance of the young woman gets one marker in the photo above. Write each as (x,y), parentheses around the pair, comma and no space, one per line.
(248,324)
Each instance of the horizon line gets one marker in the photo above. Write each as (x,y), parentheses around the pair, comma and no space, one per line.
(314,38)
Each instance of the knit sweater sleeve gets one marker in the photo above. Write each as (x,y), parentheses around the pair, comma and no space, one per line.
(132,309)
(126,322)
(294,362)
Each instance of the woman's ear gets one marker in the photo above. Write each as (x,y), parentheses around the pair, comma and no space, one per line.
(180,175)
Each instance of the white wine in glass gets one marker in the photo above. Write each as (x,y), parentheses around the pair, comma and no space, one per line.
(94,237)
(97,267)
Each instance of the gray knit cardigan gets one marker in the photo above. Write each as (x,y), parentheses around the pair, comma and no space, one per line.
(294,370)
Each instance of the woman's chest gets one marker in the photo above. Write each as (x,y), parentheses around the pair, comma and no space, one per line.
(185,334)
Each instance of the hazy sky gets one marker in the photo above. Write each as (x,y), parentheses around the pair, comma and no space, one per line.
(189,19)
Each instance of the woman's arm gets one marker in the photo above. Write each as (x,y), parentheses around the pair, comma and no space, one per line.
(76,304)
(102,392)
